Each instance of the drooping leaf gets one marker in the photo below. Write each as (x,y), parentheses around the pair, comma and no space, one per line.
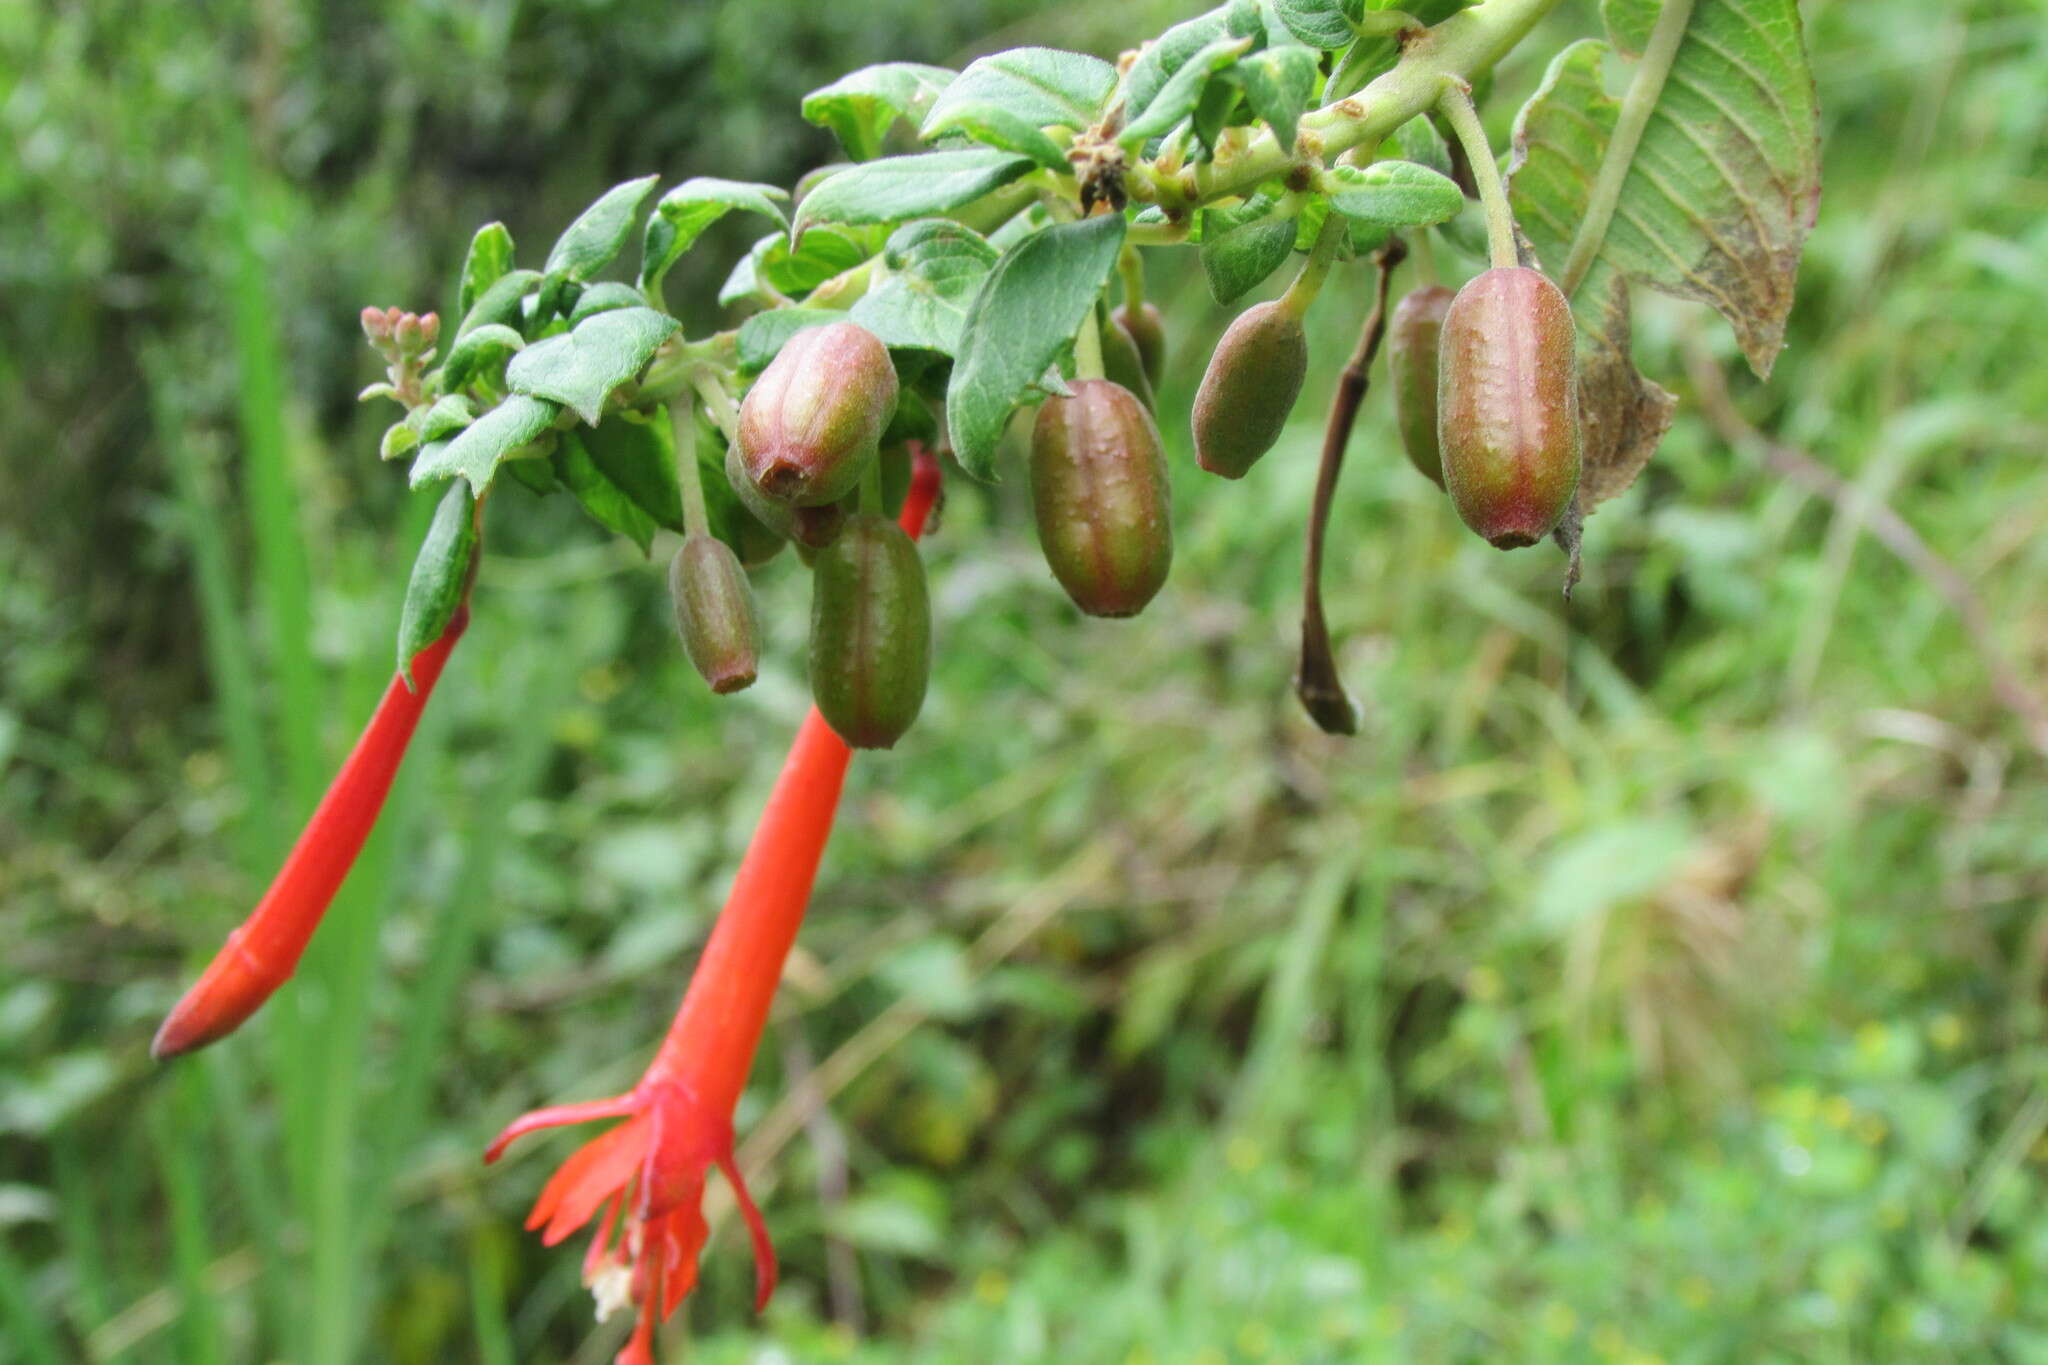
(438,574)
(896,188)
(637,455)
(935,269)
(1237,261)
(590,243)
(1177,96)
(681,216)
(480,351)
(580,368)
(1716,205)
(1024,314)
(859,107)
(825,252)
(474,454)
(609,505)
(762,336)
(1278,85)
(1395,194)
(1040,87)
(490,256)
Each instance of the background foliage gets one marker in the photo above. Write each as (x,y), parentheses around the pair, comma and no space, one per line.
(1661,979)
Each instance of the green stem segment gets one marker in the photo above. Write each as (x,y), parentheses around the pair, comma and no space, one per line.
(1316,269)
(1644,87)
(1130,267)
(1088,349)
(1493,195)
(717,402)
(682,420)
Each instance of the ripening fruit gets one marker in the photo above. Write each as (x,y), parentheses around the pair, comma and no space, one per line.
(811,422)
(1508,406)
(1253,378)
(1148,331)
(1411,361)
(1099,488)
(715,612)
(810,527)
(1123,364)
(871,633)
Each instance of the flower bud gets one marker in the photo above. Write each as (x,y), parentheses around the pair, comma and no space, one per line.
(1121,363)
(1411,361)
(810,527)
(1148,331)
(1099,489)
(409,335)
(871,633)
(811,422)
(1508,405)
(430,328)
(1249,388)
(375,329)
(715,612)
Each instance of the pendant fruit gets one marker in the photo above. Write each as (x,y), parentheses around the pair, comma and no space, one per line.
(1099,489)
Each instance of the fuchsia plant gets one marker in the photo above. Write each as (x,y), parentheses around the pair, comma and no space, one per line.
(985,250)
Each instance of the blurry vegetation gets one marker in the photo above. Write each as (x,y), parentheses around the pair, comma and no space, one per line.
(1660,979)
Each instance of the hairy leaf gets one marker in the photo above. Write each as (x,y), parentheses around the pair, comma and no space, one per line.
(992,124)
(579,369)
(476,452)
(499,302)
(1040,87)
(609,505)
(935,268)
(1319,23)
(635,452)
(482,350)
(1237,261)
(682,214)
(899,187)
(438,574)
(762,336)
(1177,96)
(1715,207)
(1278,85)
(588,245)
(1396,194)
(603,297)
(860,107)
(490,256)
(1024,314)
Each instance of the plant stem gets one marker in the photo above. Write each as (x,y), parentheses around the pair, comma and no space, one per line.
(1500,220)
(1316,269)
(682,420)
(1131,268)
(1644,87)
(717,402)
(1088,349)
(1425,257)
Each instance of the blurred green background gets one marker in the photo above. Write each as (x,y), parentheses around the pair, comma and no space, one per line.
(1660,979)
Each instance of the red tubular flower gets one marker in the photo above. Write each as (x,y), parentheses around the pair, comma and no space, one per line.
(261,954)
(644,1180)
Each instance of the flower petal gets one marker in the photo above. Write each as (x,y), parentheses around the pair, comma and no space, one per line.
(561,1115)
(757,1228)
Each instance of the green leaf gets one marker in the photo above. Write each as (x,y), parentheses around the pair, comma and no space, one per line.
(438,574)
(444,418)
(400,440)
(1160,58)
(636,454)
(899,187)
(589,244)
(480,351)
(1024,314)
(1319,23)
(762,336)
(603,297)
(825,252)
(1176,96)
(1395,194)
(1040,87)
(685,211)
(1418,140)
(475,453)
(490,256)
(860,107)
(935,269)
(609,505)
(579,369)
(1237,261)
(499,304)
(1278,84)
(992,124)
(1718,199)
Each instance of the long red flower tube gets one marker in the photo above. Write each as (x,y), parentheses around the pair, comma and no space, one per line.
(261,954)
(644,1180)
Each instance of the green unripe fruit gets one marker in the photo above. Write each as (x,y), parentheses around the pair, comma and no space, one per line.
(811,422)
(715,612)
(809,527)
(1122,364)
(1508,406)
(871,633)
(1147,331)
(1411,361)
(1099,489)
(1249,388)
